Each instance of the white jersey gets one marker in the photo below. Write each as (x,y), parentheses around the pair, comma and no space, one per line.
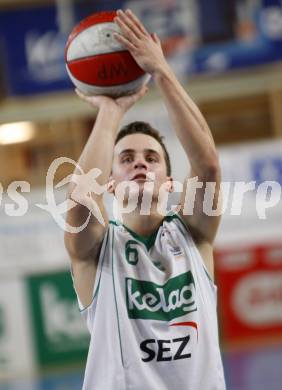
(153,320)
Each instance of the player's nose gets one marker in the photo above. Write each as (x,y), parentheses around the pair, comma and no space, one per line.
(140,163)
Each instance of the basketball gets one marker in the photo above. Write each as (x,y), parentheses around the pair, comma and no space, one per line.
(97,63)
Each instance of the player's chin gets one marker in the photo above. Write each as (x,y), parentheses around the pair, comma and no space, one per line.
(145,189)
(140,190)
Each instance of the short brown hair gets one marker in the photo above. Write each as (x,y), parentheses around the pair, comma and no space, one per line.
(145,128)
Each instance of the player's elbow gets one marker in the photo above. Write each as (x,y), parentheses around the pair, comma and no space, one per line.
(214,171)
(77,250)
(72,244)
(211,169)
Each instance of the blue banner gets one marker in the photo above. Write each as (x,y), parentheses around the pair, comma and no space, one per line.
(34,51)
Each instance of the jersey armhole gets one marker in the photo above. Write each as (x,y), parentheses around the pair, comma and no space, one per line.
(84,309)
(186,228)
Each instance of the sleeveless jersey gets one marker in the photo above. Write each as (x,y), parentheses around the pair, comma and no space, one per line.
(153,320)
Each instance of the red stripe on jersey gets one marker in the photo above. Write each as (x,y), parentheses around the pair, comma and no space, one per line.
(192,324)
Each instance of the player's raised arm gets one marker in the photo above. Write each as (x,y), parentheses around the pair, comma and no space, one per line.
(84,247)
(189,124)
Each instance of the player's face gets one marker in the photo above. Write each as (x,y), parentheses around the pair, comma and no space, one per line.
(135,156)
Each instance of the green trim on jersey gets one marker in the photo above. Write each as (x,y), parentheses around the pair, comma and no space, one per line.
(81,310)
(102,263)
(113,276)
(148,241)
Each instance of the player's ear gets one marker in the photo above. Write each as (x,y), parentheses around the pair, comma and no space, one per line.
(111,185)
(169,184)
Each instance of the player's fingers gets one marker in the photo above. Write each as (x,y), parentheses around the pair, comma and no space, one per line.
(81,95)
(126,31)
(92,100)
(138,95)
(156,39)
(137,22)
(143,90)
(124,41)
(133,98)
(130,23)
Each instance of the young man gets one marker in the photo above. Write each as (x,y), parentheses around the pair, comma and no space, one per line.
(145,285)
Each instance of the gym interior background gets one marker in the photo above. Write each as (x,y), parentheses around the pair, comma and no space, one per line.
(228,55)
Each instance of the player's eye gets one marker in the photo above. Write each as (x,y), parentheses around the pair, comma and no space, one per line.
(127,159)
(152,159)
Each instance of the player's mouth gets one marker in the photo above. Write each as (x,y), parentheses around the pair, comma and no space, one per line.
(140,177)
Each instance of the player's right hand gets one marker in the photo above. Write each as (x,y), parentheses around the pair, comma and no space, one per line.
(123,103)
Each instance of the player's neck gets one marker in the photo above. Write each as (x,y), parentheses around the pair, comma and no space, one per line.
(144,225)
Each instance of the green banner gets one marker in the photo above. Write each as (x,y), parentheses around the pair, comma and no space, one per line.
(60,333)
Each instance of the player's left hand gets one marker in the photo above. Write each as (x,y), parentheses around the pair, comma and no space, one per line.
(146,49)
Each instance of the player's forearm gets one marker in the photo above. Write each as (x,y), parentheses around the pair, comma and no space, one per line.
(189,124)
(98,151)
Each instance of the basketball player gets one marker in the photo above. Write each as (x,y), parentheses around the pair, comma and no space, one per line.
(145,286)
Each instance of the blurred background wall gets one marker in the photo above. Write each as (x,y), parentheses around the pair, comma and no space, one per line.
(228,56)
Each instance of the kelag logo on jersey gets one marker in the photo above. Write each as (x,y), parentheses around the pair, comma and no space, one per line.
(150,301)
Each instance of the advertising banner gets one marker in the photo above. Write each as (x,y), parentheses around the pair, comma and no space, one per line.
(33,241)
(34,50)
(15,337)
(214,36)
(250,293)
(60,334)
